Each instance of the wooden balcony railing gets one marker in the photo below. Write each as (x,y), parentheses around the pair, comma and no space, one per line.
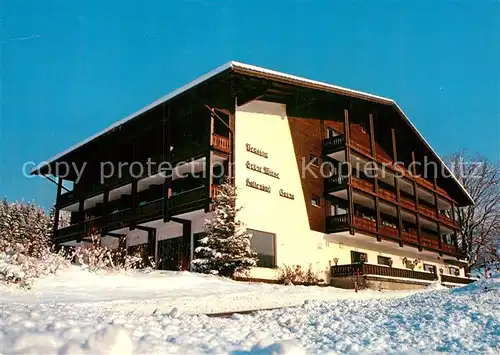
(150,209)
(365,224)
(383,159)
(456,279)
(361,148)
(351,270)
(429,240)
(448,248)
(407,203)
(186,200)
(361,184)
(424,182)
(426,211)
(333,144)
(448,221)
(388,231)
(410,237)
(335,182)
(221,143)
(73,229)
(388,195)
(337,223)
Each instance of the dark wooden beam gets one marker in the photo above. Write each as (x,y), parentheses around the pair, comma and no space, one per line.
(56,207)
(350,197)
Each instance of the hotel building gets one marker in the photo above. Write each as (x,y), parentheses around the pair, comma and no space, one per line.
(332,179)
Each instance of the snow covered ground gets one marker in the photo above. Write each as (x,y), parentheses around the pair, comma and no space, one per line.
(160,312)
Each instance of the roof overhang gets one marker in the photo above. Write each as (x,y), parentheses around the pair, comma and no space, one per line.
(256,71)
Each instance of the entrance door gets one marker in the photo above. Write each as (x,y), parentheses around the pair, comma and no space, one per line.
(358,258)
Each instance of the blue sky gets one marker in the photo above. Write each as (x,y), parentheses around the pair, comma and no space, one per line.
(69,68)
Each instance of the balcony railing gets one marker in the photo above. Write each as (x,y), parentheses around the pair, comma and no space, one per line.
(365,224)
(362,184)
(424,182)
(214,191)
(407,203)
(360,147)
(388,231)
(150,209)
(187,200)
(410,237)
(335,183)
(448,221)
(426,212)
(351,270)
(429,240)
(448,248)
(388,195)
(333,144)
(337,223)
(456,279)
(221,143)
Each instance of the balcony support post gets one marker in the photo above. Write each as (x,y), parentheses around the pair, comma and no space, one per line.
(398,191)
(56,207)
(453,206)
(133,205)
(415,192)
(105,210)
(372,135)
(232,127)
(350,198)
(167,157)
(208,163)
(436,208)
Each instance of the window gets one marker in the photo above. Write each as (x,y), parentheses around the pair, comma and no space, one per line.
(384,260)
(330,132)
(315,201)
(313,159)
(358,258)
(430,268)
(263,244)
(454,271)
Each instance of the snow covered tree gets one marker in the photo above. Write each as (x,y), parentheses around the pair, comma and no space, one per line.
(226,248)
(479,236)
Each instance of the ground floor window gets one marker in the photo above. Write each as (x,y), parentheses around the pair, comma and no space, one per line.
(358,258)
(430,268)
(264,244)
(454,271)
(384,260)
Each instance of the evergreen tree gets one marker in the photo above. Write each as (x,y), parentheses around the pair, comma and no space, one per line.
(225,249)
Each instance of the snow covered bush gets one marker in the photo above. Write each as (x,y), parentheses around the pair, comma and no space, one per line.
(17,266)
(94,256)
(225,249)
(290,275)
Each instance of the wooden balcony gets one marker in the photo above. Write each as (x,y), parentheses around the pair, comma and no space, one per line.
(410,237)
(389,231)
(424,182)
(388,195)
(430,241)
(337,223)
(335,183)
(456,279)
(221,143)
(361,184)
(447,220)
(188,201)
(361,148)
(365,224)
(425,211)
(333,144)
(352,270)
(150,211)
(451,249)
(407,203)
